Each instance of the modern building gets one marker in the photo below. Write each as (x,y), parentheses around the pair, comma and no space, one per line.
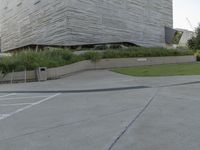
(81,22)
(187,35)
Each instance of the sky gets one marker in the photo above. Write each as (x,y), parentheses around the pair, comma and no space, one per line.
(186,9)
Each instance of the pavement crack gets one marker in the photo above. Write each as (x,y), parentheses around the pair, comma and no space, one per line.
(134,120)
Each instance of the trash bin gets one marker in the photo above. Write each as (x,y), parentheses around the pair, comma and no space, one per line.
(41,73)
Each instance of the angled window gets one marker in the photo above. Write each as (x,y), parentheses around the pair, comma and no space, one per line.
(172,36)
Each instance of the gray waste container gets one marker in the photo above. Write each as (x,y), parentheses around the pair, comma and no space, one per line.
(41,73)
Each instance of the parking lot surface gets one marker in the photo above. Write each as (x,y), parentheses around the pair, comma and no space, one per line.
(101,110)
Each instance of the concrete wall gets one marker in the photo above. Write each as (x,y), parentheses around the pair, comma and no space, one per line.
(73,22)
(54,73)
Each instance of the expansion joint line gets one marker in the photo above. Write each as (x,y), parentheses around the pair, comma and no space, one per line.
(134,120)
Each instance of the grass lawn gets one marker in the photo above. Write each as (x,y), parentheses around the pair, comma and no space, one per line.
(162,70)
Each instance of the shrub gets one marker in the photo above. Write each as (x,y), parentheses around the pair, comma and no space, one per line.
(194,42)
(93,56)
(144,52)
(54,57)
(31,60)
(7,65)
(197,54)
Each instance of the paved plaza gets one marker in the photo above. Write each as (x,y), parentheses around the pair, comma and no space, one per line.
(101,110)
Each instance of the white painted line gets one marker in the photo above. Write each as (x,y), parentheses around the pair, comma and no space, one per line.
(3,116)
(29,106)
(7,95)
(31,97)
(17,104)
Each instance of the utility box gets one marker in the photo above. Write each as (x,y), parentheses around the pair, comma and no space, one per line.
(41,73)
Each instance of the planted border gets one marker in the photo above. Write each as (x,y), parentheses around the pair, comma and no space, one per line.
(54,57)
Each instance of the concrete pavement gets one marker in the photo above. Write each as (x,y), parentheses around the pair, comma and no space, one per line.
(160,117)
(99,79)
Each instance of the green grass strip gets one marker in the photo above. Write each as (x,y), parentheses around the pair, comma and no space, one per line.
(162,70)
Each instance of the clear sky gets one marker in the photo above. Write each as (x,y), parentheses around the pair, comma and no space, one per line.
(186,9)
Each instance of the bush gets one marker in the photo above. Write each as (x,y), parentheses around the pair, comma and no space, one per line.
(197,54)
(93,56)
(54,57)
(6,65)
(31,60)
(194,42)
(144,52)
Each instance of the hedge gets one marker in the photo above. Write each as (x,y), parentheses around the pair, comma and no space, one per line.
(54,57)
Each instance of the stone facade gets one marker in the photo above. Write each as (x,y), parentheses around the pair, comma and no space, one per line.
(77,22)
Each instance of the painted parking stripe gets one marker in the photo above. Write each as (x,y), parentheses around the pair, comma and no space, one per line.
(7,95)
(28,106)
(16,98)
(3,116)
(16,104)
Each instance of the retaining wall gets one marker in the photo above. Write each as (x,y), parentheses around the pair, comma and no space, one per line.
(54,73)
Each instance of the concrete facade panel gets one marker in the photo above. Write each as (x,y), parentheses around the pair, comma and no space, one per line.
(74,22)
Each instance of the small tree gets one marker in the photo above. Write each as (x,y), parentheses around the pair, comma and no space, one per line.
(194,42)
